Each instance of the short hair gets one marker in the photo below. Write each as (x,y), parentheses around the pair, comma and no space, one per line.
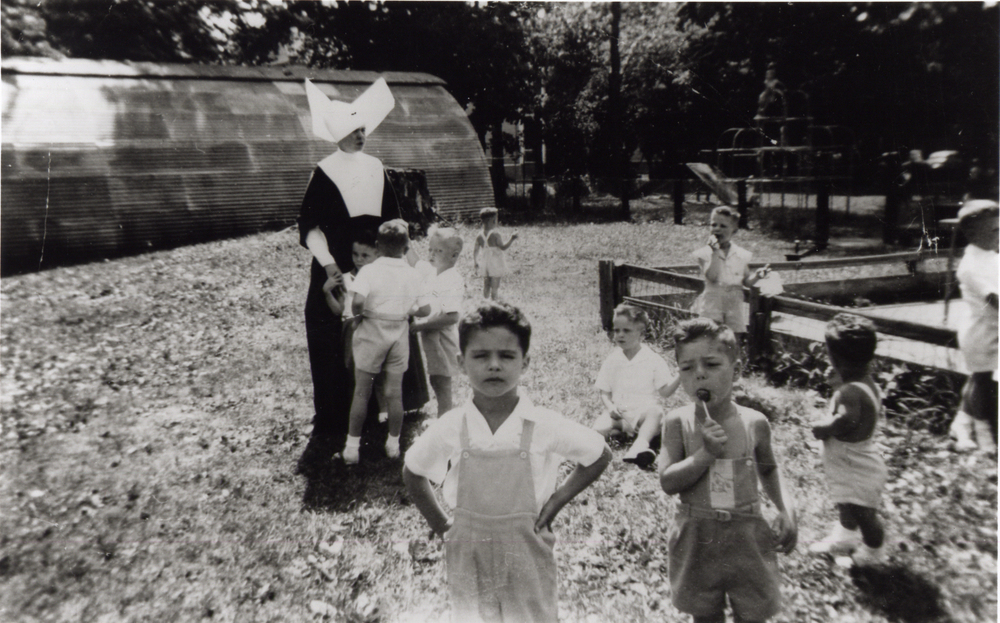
(695,329)
(366,236)
(633,313)
(851,339)
(394,236)
(449,236)
(490,314)
(726,211)
(486,213)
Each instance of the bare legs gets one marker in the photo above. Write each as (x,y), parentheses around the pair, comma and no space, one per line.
(491,287)
(853,517)
(442,392)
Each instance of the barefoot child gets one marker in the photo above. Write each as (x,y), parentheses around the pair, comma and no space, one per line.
(494,259)
(439,331)
(977,338)
(499,456)
(713,454)
(386,293)
(853,464)
(630,380)
(726,269)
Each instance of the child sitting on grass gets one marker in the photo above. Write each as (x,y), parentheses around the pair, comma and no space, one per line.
(712,454)
(439,331)
(854,467)
(499,456)
(386,293)
(630,381)
(494,258)
(977,337)
(726,269)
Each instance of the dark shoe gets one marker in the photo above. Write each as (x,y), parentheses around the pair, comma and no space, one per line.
(644,459)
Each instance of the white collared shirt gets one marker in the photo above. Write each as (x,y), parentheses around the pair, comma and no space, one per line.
(634,383)
(390,286)
(554,440)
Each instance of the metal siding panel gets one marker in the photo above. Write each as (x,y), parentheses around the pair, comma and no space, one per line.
(104,165)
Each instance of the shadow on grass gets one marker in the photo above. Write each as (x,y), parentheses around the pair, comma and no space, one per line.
(377,479)
(900,594)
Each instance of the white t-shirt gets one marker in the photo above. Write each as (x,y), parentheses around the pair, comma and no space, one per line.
(448,288)
(391,287)
(977,276)
(554,440)
(635,383)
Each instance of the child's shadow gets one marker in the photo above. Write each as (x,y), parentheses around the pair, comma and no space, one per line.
(377,478)
(900,594)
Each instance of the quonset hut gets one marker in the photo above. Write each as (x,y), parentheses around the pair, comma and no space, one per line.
(102,159)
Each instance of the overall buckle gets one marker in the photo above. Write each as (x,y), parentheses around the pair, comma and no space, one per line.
(721,515)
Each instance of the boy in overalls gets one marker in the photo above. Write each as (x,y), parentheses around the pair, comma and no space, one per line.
(498,457)
(713,454)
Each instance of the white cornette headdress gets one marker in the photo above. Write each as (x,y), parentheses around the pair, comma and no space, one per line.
(332,120)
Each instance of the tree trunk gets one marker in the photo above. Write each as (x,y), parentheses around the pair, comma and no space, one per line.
(497,173)
(618,154)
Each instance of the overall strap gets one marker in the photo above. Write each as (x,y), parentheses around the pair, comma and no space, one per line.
(465,432)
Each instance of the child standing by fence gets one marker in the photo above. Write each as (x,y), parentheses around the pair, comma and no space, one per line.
(726,269)
(630,381)
(712,455)
(977,338)
(854,467)
(386,293)
(494,258)
(499,457)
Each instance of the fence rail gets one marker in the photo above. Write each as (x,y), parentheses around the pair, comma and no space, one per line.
(615,280)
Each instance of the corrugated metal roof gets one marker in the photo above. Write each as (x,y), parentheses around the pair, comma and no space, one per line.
(102,159)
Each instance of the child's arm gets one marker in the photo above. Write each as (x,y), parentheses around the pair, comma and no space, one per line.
(580,479)
(422,495)
(677,472)
(610,405)
(358,305)
(711,267)
(334,295)
(846,417)
(773,485)
(480,241)
(667,390)
(750,278)
(421,311)
(435,322)
(505,245)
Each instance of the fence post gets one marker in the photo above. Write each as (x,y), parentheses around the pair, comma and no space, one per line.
(678,201)
(741,201)
(606,292)
(759,342)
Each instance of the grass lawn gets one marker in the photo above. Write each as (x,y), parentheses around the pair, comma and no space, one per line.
(153,409)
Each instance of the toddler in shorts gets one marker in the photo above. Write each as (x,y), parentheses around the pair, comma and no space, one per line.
(494,258)
(853,463)
(386,293)
(439,331)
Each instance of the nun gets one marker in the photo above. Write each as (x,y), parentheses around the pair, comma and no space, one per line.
(348,192)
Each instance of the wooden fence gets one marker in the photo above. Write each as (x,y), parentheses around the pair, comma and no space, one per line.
(616,278)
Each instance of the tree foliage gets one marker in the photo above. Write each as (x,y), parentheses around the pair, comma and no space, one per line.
(901,75)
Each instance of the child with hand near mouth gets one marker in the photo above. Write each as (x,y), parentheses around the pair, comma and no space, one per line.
(712,456)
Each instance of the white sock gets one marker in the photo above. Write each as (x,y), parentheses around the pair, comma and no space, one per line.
(353,442)
(984,436)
